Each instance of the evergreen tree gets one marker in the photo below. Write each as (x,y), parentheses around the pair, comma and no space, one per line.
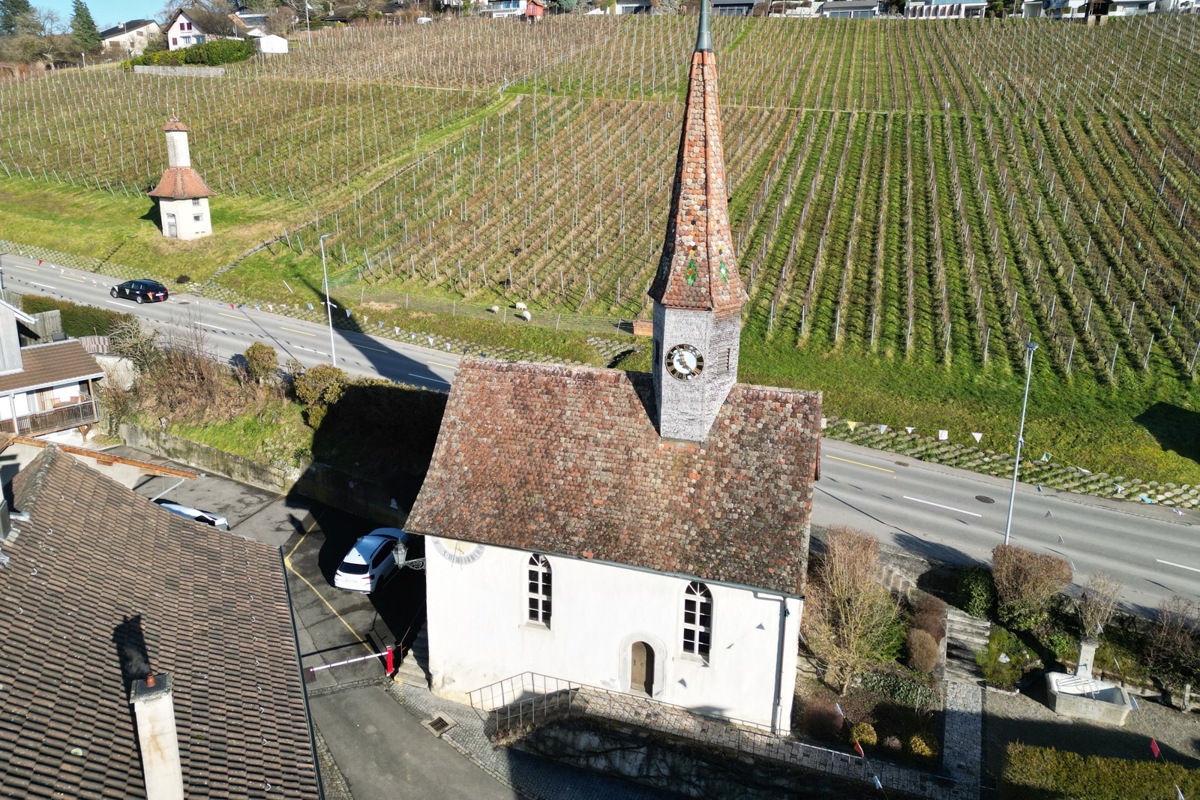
(84,34)
(10,12)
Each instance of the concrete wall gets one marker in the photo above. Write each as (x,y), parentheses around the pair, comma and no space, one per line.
(203,458)
(479,632)
(192,221)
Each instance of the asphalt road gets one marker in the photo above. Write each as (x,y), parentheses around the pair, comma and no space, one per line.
(939,513)
(229,331)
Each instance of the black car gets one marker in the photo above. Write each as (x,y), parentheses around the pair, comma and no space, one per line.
(141,291)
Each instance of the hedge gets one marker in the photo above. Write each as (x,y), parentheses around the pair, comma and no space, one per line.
(77,320)
(211,54)
(1043,773)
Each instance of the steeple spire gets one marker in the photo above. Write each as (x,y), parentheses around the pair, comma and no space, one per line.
(698,267)
(697,292)
(703,36)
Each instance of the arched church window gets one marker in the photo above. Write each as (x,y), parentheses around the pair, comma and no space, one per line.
(697,620)
(539,592)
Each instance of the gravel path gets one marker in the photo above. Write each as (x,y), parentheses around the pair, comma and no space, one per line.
(1025,718)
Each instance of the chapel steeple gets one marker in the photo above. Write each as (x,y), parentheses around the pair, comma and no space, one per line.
(697,292)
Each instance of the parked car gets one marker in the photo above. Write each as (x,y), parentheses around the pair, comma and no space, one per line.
(142,290)
(373,558)
(207,517)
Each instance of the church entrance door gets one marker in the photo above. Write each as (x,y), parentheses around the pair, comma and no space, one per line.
(641,672)
(171,231)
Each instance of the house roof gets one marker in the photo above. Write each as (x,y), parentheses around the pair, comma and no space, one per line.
(50,365)
(566,460)
(125,27)
(181,183)
(849,5)
(98,577)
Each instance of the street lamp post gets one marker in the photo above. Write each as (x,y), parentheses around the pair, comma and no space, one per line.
(328,299)
(1029,348)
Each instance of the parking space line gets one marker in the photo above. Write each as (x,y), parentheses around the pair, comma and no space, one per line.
(288,563)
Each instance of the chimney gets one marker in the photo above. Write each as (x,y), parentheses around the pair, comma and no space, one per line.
(157,737)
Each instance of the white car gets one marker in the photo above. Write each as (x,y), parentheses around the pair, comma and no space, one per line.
(373,558)
(207,517)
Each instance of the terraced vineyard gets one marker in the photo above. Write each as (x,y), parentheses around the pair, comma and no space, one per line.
(907,197)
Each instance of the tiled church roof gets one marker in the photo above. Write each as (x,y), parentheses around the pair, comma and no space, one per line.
(95,570)
(567,461)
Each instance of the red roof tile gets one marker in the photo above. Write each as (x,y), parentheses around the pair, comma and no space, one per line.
(567,461)
(95,562)
(174,124)
(181,183)
(51,365)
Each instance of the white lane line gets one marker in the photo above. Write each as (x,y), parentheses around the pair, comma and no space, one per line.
(948,508)
(117,303)
(309,349)
(213,327)
(1173,564)
(440,364)
(40,285)
(293,330)
(427,378)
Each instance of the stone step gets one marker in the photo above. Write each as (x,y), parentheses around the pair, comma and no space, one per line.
(965,636)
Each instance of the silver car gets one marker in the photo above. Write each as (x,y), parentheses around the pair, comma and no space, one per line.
(373,558)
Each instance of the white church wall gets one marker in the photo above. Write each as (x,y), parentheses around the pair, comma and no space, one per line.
(479,633)
(192,219)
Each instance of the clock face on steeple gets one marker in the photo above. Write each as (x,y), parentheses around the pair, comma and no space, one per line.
(684,362)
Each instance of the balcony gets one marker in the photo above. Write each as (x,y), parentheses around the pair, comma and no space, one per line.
(58,419)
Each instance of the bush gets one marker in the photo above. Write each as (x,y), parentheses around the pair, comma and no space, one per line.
(76,320)
(976,593)
(864,734)
(261,362)
(923,651)
(922,745)
(900,689)
(212,54)
(184,279)
(1004,660)
(1025,584)
(821,720)
(1041,773)
(930,616)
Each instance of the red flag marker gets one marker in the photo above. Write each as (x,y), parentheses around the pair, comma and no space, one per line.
(231,308)
(858,749)
(1154,748)
(39,262)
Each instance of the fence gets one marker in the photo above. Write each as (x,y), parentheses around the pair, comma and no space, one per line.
(58,419)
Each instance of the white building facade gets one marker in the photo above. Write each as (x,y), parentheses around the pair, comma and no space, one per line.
(181,193)
(496,612)
(130,37)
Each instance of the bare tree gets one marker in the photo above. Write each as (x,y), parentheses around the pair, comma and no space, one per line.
(1025,583)
(1171,650)
(851,619)
(1098,603)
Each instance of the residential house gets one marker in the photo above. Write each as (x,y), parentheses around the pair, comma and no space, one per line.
(938,9)
(535,10)
(733,8)
(1131,8)
(189,27)
(850,9)
(129,38)
(46,386)
(142,650)
(646,535)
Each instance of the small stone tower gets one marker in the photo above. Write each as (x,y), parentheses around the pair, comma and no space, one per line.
(697,292)
(182,194)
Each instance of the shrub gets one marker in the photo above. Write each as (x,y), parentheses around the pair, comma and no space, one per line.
(976,593)
(1025,584)
(892,743)
(1004,660)
(1098,603)
(864,734)
(76,320)
(923,651)
(261,362)
(930,616)
(1041,773)
(821,720)
(212,53)
(922,745)
(1171,650)
(900,689)
(184,279)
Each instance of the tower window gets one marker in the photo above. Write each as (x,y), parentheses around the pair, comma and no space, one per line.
(195,201)
(697,620)
(539,590)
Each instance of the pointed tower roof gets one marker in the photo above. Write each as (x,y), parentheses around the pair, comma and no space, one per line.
(173,125)
(698,269)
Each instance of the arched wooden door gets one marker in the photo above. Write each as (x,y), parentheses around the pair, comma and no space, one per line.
(641,669)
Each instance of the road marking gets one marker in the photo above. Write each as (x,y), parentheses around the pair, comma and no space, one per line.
(72,278)
(22,266)
(427,378)
(40,285)
(368,347)
(1173,564)
(293,330)
(213,327)
(948,508)
(231,316)
(308,349)
(288,563)
(861,464)
(440,364)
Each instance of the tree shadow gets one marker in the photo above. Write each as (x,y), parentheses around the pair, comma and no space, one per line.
(1175,429)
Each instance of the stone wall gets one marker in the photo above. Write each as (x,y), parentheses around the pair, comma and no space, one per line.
(193,72)
(209,459)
